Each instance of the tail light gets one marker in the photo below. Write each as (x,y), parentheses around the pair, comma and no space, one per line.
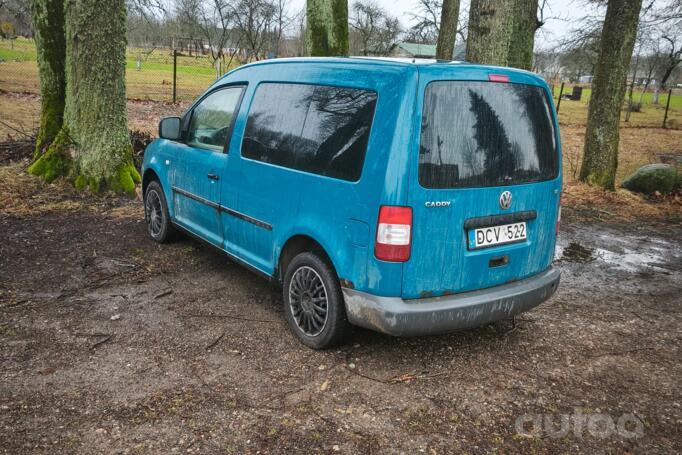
(394,234)
(498,78)
(558,218)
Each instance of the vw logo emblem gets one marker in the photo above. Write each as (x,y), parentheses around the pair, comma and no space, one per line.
(505,199)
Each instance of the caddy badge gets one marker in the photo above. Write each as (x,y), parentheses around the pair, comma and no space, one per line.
(430,204)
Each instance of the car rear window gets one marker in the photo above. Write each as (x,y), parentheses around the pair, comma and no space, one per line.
(313,128)
(480,134)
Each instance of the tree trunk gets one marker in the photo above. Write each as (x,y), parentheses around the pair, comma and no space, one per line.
(448,30)
(327,30)
(490,29)
(93,146)
(48,22)
(600,158)
(525,23)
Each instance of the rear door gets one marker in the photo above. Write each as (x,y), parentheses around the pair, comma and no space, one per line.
(485,192)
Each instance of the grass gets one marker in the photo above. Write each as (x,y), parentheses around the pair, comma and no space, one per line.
(675,100)
(651,115)
(153,80)
(638,146)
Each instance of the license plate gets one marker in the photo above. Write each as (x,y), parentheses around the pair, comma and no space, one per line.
(497,235)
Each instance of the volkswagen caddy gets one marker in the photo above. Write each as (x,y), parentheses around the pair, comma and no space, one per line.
(404,196)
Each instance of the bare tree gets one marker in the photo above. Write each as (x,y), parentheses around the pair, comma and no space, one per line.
(376,29)
(669,58)
(581,47)
(215,25)
(255,23)
(426,22)
(193,22)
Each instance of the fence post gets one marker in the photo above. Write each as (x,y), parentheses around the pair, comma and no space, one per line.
(561,92)
(667,106)
(175,75)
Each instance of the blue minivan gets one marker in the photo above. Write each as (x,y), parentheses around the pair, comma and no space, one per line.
(404,196)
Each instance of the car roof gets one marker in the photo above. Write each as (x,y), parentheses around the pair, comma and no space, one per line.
(377,63)
(374,61)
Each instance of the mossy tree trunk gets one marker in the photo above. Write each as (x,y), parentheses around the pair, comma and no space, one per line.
(448,29)
(600,158)
(327,27)
(93,146)
(490,30)
(48,21)
(525,23)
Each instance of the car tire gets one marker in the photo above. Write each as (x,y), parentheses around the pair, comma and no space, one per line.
(313,303)
(156,216)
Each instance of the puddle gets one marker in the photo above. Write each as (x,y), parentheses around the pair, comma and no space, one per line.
(618,253)
(630,261)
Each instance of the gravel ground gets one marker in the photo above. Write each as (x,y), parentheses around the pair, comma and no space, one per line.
(110,343)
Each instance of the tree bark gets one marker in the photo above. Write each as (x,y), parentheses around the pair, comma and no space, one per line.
(600,158)
(327,30)
(525,23)
(448,30)
(490,30)
(48,22)
(93,147)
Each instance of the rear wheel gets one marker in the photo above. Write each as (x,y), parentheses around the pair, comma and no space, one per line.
(156,214)
(313,302)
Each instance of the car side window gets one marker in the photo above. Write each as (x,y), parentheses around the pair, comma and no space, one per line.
(318,129)
(211,120)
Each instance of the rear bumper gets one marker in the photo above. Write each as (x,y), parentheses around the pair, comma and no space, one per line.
(395,316)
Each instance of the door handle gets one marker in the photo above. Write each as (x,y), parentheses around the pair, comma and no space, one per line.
(213,176)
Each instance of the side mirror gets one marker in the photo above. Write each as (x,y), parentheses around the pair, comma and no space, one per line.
(169,128)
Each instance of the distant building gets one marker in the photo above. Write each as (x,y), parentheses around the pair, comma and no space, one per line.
(586,79)
(416,50)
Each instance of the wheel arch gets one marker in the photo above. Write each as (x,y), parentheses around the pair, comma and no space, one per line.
(149,176)
(296,244)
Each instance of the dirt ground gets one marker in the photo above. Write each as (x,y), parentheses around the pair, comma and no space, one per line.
(110,343)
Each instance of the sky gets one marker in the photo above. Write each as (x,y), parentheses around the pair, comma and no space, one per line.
(561,16)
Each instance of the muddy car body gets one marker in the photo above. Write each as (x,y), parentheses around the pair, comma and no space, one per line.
(408,197)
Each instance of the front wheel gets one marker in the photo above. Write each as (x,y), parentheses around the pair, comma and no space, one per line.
(156,214)
(313,302)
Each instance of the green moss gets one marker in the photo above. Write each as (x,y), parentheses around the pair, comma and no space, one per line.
(327,27)
(125,178)
(51,116)
(522,38)
(48,20)
(56,161)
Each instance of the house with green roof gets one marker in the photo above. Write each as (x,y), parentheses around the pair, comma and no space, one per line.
(416,50)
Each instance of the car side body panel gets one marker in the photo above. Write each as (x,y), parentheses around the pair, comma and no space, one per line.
(262,205)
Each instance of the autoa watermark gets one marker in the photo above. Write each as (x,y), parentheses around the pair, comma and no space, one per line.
(579,425)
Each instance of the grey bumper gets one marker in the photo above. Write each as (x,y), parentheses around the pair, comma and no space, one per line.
(395,316)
